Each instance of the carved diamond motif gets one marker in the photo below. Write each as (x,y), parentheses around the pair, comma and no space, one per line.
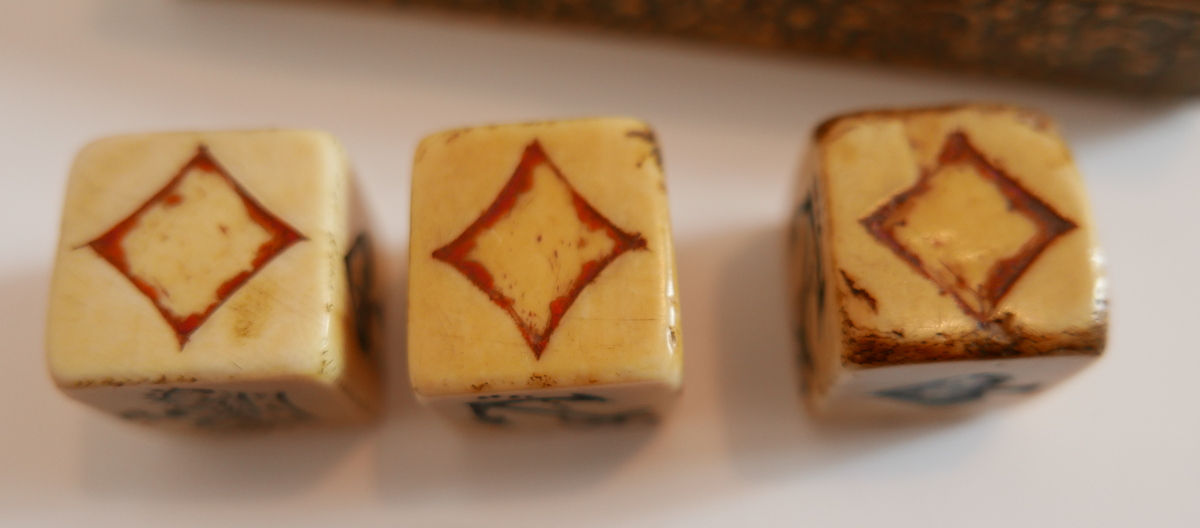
(194,243)
(536,247)
(968,227)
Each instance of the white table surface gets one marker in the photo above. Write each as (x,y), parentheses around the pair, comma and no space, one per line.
(1118,445)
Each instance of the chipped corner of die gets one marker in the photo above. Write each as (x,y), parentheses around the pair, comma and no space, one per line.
(312,134)
(58,364)
(96,145)
(62,380)
(634,127)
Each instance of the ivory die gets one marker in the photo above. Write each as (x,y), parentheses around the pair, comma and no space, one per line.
(944,260)
(218,280)
(542,275)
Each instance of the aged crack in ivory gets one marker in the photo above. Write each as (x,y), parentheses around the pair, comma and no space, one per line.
(219,280)
(542,274)
(943,260)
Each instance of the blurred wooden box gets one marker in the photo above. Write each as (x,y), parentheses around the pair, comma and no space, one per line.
(1141,46)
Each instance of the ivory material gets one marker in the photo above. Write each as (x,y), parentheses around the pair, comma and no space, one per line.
(934,248)
(542,274)
(216,280)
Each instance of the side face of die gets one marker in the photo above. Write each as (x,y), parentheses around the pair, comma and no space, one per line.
(542,276)
(220,280)
(944,261)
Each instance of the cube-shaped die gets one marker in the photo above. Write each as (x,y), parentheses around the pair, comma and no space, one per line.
(944,260)
(219,280)
(542,275)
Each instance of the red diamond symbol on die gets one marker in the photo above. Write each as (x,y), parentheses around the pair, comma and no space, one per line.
(1007,261)
(595,242)
(194,243)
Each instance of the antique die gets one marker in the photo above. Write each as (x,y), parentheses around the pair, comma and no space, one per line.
(541,280)
(218,280)
(943,260)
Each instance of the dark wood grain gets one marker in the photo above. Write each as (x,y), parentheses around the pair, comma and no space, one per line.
(1139,46)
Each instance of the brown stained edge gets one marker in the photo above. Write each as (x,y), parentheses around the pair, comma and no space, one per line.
(873,349)
(108,245)
(541,381)
(455,253)
(114,382)
(1004,273)
(1036,118)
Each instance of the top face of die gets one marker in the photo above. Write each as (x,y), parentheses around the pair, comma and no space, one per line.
(958,225)
(197,256)
(540,257)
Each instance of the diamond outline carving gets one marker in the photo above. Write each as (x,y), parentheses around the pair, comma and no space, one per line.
(109,245)
(1005,272)
(455,253)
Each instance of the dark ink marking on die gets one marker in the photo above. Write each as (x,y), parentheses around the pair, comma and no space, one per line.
(954,390)
(808,305)
(360,273)
(219,410)
(491,409)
